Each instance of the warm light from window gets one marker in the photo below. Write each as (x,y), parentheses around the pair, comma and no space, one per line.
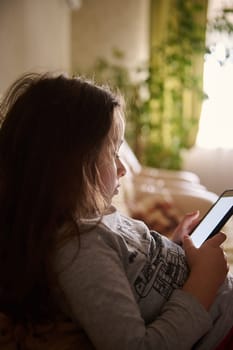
(216,121)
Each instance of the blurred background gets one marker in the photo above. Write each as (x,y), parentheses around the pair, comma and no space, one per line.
(172,59)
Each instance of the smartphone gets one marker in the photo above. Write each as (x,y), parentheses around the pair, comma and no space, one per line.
(214,219)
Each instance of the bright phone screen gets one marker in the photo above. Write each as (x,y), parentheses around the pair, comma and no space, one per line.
(211,220)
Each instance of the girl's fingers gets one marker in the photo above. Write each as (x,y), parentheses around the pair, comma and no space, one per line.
(217,240)
(191,220)
(191,216)
(188,222)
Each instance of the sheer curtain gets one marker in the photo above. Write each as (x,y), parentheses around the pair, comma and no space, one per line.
(177,38)
(216,121)
(212,156)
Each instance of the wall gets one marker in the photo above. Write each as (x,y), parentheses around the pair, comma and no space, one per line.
(214,167)
(99,26)
(34,35)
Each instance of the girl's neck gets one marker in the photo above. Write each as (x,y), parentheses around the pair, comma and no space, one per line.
(97,215)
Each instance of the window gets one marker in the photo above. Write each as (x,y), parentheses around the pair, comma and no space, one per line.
(216,120)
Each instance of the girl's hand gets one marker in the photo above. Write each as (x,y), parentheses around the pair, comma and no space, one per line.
(186,225)
(208,268)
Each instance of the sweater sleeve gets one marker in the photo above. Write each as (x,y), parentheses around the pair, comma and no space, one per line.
(99,296)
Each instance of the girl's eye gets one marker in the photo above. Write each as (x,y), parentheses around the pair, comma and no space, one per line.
(117,156)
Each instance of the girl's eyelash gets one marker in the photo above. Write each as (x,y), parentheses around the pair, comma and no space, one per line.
(117,155)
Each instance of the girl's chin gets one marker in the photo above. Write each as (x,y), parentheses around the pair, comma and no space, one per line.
(115,192)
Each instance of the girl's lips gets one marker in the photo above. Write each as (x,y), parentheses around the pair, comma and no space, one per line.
(117,189)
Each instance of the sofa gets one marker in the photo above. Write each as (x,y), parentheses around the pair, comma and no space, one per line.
(159,197)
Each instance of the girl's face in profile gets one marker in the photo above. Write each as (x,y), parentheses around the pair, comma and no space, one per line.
(111,168)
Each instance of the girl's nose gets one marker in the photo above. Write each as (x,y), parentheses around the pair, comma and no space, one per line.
(121,169)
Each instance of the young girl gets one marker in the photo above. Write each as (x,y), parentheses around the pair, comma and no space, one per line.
(66,254)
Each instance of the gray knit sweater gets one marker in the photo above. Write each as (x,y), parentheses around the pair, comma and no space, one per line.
(123,287)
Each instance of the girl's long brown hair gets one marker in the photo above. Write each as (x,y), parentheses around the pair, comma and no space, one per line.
(50,139)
